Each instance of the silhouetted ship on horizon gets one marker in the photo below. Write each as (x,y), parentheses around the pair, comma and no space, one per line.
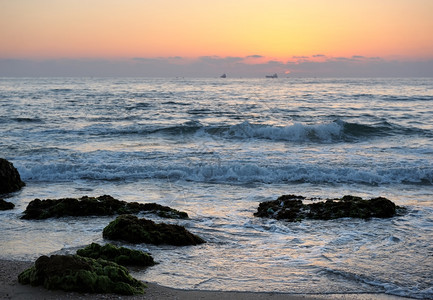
(272,76)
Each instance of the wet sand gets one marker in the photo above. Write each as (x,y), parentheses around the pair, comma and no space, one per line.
(11,289)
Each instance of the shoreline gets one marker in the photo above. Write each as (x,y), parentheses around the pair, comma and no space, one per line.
(10,288)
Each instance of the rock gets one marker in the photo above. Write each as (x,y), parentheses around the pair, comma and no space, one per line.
(291,208)
(122,256)
(4,205)
(134,230)
(94,206)
(81,274)
(10,180)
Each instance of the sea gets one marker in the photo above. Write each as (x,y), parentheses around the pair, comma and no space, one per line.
(216,148)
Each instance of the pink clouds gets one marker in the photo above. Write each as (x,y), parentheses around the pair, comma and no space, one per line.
(319,65)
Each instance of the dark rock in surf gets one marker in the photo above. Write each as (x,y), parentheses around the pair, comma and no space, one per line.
(81,274)
(10,179)
(120,255)
(291,208)
(4,205)
(134,230)
(94,206)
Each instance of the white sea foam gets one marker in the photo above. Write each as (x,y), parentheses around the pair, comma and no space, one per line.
(296,132)
(226,173)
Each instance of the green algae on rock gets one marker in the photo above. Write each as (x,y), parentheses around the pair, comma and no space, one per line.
(10,180)
(81,274)
(94,206)
(134,230)
(4,205)
(120,255)
(291,208)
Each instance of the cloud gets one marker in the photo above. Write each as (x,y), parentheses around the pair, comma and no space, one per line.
(357,67)
(355,58)
(342,58)
(140,59)
(214,66)
(274,62)
(219,60)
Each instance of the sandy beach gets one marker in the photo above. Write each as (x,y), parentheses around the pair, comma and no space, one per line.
(11,289)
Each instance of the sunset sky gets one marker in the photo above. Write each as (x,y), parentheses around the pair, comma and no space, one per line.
(198,37)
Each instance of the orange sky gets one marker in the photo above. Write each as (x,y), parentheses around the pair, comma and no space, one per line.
(276,29)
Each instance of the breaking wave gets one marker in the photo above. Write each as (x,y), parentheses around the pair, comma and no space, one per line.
(235,173)
(336,131)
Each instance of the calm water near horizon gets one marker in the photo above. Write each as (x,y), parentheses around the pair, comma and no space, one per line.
(216,148)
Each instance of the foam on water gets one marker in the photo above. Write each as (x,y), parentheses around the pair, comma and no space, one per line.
(225,173)
(297,132)
(331,132)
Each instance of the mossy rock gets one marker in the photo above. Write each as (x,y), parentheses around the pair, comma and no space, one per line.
(134,230)
(4,205)
(10,179)
(120,255)
(94,206)
(81,274)
(291,208)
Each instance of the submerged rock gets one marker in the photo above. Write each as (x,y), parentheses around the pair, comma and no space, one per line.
(94,206)
(10,180)
(134,230)
(120,255)
(81,274)
(291,208)
(4,205)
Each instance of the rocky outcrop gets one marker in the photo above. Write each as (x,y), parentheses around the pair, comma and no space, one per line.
(10,180)
(4,205)
(94,206)
(134,230)
(291,208)
(120,255)
(81,274)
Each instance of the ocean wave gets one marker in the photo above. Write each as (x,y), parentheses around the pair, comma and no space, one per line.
(394,98)
(235,173)
(27,120)
(297,132)
(62,90)
(21,120)
(363,130)
(332,132)
(391,288)
(335,131)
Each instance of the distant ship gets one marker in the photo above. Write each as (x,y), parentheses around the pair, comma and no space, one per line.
(223,75)
(272,76)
